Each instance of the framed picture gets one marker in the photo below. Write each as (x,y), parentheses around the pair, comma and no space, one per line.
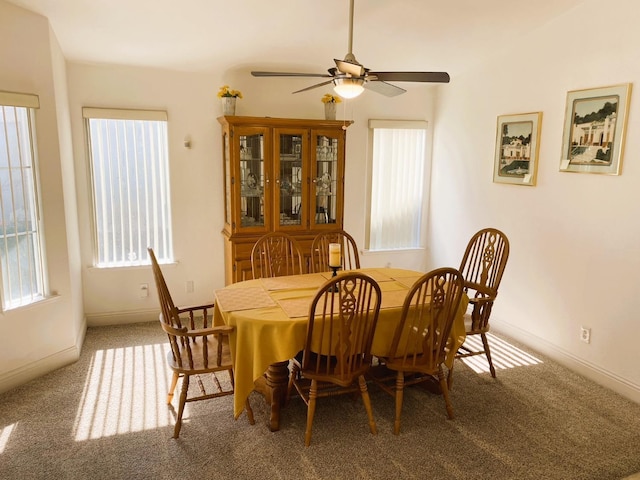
(517,145)
(595,122)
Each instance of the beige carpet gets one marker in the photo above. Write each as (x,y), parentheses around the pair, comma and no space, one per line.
(105,417)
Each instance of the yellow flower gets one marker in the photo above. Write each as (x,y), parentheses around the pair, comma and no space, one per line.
(225,91)
(328,98)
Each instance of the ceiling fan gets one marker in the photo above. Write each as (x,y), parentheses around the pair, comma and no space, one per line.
(350,78)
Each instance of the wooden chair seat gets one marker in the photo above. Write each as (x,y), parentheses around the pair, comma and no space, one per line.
(472,324)
(217,354)
(326,372)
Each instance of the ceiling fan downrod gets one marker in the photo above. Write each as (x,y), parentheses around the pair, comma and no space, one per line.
(349,66)
(350,57)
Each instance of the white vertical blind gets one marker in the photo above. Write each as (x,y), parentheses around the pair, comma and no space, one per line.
(130,179)
(398,173)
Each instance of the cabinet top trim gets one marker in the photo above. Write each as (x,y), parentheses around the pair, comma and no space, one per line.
(281,122)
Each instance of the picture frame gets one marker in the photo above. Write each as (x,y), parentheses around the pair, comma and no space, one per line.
(517,148)
(595,126)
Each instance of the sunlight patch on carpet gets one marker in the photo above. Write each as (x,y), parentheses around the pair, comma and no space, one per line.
(5,433)
(503,354)
(125,391)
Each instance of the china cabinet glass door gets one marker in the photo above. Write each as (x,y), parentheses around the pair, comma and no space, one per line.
(326,179)
(253,180)
(227,179)
(291,167)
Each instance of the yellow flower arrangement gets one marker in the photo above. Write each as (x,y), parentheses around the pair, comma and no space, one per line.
(225,91)
(328,98)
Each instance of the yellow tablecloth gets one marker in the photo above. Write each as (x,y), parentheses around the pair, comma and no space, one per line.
(274,333)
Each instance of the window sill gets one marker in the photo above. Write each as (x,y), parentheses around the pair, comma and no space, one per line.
(147,266)
(54,297)
(395,250)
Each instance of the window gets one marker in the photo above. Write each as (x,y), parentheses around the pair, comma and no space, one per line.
(129,161)
(23,279)
(397,184)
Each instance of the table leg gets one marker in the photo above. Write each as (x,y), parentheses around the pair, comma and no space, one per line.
(277,379)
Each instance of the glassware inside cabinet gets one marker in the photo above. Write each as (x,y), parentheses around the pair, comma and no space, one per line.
(326,178)
(290,178)
(252,176)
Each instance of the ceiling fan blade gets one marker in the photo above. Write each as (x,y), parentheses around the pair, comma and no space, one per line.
(349,70)
(353,69)
(289,74)
(314,86)
(384,88)
(440,77)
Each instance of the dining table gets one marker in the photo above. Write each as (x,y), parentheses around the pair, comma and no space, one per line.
(269,316)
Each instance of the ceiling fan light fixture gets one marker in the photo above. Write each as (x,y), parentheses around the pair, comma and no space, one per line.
(348,87)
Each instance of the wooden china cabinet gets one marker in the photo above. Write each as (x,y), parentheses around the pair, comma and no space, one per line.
(280,174)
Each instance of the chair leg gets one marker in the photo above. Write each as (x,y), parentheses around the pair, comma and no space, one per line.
(399,400)
(450,375)
(183,400)
(174,382)
(367,403)
(311,410)
(249,410)
(445,392)
(485,342)
(290,384)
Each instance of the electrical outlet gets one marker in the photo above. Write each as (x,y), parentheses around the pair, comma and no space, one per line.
(144,290)
(585,334)
(189,286)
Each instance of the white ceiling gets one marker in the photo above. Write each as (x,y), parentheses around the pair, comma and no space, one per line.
(292,35)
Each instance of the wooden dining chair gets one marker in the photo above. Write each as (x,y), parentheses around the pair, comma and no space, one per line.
(419,347)
(320,251)
(482,267)
(337,351)
(276,254)
(196,348)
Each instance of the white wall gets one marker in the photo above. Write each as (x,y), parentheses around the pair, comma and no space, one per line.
(575,238)
(46,335)
(112,295)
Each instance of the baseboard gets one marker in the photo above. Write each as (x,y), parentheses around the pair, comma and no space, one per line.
(593,372)
(121,318)
(41,367)
(26,373)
